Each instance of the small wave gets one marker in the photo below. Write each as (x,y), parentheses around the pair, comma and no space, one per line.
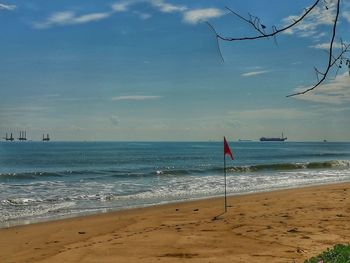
(330,164)
(178,172)
(24,201)
(97,173)
(43,174)
(244,168)
(32,211)
(31,175)
(105,197)
(18,201)
(290,166)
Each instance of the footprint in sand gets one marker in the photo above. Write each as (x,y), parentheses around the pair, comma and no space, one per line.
(293,230)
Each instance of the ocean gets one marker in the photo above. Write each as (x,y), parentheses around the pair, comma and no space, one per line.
(41,181)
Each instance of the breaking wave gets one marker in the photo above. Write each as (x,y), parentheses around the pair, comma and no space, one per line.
(95,173)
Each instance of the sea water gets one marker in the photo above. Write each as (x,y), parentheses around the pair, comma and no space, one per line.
(48,180)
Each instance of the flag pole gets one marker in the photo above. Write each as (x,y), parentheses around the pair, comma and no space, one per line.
(225,181)
(226,151)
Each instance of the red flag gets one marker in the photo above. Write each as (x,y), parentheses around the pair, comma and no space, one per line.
(227,149)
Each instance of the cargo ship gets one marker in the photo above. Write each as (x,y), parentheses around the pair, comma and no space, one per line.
(272,139)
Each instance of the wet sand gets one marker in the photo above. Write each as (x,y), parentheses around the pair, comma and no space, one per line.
(281,226)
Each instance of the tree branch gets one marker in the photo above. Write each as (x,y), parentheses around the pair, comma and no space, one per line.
(217,40)
(256,24)
(331,59)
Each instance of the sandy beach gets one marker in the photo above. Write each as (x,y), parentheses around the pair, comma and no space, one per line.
(279,226)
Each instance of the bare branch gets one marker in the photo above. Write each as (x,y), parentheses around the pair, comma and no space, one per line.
(324,75)
(217,41)
(331,59)
(275,30)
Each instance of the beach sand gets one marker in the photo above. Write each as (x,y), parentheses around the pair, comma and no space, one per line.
(279,226)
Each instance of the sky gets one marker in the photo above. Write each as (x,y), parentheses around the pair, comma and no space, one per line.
(151,70)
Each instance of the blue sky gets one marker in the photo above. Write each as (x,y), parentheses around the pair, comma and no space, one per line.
(151,70)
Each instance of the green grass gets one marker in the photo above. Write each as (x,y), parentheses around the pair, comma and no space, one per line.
(338,254)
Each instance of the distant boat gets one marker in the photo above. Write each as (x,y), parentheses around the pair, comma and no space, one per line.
(272,139)
(22,136)
(9,138)
(244,140)
(46,139)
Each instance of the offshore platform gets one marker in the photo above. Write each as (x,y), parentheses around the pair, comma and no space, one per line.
(9,138)
(23,137)
(47,138)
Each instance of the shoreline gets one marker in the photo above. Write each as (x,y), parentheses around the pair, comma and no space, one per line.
(277,226)
(31,221)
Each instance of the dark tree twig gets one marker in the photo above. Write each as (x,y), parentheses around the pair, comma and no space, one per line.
(255,23)
(217,41)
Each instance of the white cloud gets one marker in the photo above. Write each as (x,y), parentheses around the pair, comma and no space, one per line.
(333,92)
(122,6)
(320,15)
(254,73)
(160,5)
(191,16)
(89,18)
(7,7)
(327,45)
(135,97)
(346,15)
(70,18)
(199,15)
(164,7)
(143,16)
